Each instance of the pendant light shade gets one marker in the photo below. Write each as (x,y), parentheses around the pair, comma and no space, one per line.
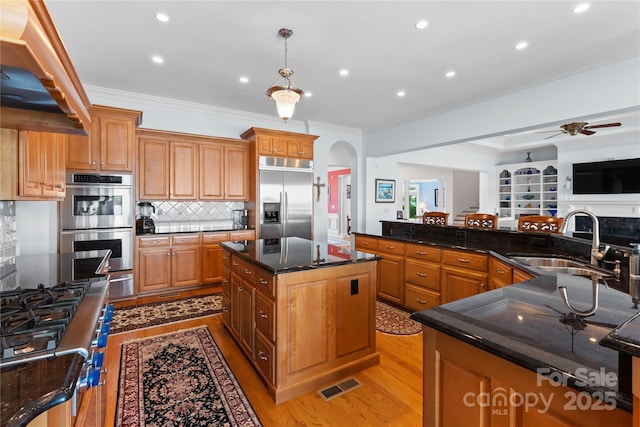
(285,95)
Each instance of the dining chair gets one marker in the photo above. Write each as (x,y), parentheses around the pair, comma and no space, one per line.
(435,218)
(539,223)
(480,220)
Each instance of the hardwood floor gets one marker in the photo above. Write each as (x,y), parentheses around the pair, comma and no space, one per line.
(390,395)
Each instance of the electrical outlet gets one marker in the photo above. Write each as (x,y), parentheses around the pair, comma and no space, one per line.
(354,287)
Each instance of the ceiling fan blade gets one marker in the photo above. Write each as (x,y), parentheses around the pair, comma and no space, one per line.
(606,125)
(559,133)
(587,132)
(547,131)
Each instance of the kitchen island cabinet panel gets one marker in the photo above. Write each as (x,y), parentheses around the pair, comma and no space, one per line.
(352,314)
(466,386)
(458,283)
(500,274)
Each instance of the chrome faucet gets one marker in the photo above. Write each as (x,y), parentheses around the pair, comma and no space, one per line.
(596,255)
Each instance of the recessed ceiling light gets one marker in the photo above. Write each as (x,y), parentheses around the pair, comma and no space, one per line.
(344,72)
(422,24)
(450,74)
(162,17)
(308,94)
(581,8)
(401,93)
(521,45)
(157,59)
(244,80)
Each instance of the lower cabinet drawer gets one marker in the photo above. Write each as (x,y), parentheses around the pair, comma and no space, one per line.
(226,282)
(265,316)
(265,358)
(422,273)
(417,298)
(265,282)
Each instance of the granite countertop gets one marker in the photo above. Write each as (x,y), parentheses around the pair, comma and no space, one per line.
(288,254)
(527,323)
(185,230)
(30,388)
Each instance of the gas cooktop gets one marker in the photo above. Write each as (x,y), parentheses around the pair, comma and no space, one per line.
(49,321)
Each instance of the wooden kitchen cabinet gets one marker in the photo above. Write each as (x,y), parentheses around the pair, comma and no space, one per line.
(190,167)
(500,274)
(466,386)
(521,276)
(366,244)
(422,277)
(223,172)
(32,165)
(391,271)
(275,143)
(212,256)
(165,262)
(464,274)
(111,144)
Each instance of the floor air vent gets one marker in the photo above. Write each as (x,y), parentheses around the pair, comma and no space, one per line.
(339,389)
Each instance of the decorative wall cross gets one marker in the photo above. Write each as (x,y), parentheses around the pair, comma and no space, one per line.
(318,186)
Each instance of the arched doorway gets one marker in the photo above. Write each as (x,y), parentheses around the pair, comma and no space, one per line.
(342,205)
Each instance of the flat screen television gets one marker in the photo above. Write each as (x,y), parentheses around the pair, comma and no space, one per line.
(608,177)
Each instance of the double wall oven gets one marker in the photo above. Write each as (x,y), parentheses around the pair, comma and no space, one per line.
(98,214)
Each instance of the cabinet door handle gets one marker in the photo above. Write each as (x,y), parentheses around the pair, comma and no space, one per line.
(421,301)
(365,243)
(390,247)
(235,264)
(224,280)
(239,288)
(261,355)
(483,285)
(59,186)
(421,252)
(168,253)
(246,271)
(499,271)
(462,260)
(93,163)
(421,274)
(102,163)
(263,314)
(263,282)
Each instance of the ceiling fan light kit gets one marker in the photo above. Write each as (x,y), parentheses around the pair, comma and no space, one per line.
(285,95)
(579,127)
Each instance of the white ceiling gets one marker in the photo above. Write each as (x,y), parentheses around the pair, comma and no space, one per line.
(208,45)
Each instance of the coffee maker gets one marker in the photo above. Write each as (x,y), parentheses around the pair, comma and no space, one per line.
(144,223)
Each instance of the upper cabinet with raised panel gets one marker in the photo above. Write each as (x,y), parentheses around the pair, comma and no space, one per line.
(111,146)
(174,166)
(32,165)
(277,143)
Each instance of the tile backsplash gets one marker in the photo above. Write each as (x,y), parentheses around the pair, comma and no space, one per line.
(8,239)
(194,215)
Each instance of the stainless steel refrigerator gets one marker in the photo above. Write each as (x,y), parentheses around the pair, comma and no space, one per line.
(286,202)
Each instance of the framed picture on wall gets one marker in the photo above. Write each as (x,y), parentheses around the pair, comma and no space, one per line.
(385,191)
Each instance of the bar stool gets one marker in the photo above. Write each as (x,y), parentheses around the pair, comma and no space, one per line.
(539,223)
(435,218)
(480,220)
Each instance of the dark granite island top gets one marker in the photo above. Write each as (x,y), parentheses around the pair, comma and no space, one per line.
(288,254)
(529,325)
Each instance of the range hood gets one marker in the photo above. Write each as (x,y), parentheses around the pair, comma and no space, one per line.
(39,88)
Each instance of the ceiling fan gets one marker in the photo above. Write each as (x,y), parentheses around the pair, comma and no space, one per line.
(579,127)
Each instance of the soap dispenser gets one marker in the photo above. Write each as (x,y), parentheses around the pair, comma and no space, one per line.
(634,262)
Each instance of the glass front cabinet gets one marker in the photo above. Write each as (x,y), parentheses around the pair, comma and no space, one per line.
(527,189)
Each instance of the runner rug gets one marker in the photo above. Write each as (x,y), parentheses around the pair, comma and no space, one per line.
(157,313)
(179,379)
(391,320)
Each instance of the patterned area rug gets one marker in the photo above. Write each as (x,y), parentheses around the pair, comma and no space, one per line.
(391,320)
(157,313)
(179,379)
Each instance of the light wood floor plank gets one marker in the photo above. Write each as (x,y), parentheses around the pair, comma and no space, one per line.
(390,395)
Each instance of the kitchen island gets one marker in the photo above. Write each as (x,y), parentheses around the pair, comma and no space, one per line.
(516,355)
(303,312)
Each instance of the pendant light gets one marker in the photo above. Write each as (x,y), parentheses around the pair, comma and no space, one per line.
(285,94)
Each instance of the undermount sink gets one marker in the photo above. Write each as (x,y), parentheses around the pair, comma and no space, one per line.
(561,265)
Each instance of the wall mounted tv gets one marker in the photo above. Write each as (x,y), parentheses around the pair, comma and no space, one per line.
(609,177)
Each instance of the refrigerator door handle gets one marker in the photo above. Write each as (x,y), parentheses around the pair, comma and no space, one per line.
(286,213)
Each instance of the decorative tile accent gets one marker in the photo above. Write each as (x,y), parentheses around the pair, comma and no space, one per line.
(194,216)
(8,241)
